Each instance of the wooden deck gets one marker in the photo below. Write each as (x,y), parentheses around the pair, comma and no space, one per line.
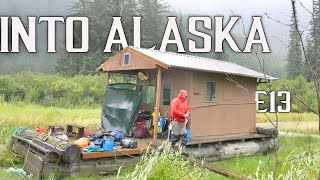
(144,146)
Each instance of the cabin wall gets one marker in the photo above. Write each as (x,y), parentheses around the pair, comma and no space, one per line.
(233,112)
(176,79)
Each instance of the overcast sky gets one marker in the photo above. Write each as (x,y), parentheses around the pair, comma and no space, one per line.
(278,9)
(244,6)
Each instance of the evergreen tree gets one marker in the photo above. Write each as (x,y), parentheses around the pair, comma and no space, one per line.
(100,13)
(294,65)
(153,21)
(313,42)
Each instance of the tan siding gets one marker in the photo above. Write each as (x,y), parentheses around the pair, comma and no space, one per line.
(232,113)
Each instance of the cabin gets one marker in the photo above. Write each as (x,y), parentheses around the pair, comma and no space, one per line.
(221,94)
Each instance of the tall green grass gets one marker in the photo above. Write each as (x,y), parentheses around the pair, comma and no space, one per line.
(292,116)
(290,147)
(7,157)
(28,115)
(302,166)
(165,163)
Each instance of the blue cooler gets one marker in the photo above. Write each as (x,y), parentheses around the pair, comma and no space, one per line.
(108,144)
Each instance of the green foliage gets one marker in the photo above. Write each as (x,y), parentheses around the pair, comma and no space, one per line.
(286,117)
(164,163)
(303,166)
(300,87)
(53,90)
(153,21)
(313,43)
(295,66)
(11,89)
(7,157)
(290,148)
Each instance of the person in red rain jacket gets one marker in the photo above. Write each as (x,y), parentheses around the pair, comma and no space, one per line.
(179,112)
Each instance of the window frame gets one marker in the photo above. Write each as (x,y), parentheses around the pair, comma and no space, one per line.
(166,86)
(141,90)
(206,92)
(124,59)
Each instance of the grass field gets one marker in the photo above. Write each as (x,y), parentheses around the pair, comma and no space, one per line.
(289,147)
(27,115)
(264,117)
(306,123)
(20,114)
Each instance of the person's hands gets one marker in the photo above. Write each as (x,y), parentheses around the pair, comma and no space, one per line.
(186,115)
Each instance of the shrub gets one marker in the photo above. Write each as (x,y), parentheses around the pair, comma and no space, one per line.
(299,87)
(164,163)
(53,90)
(302,166)
(7,157)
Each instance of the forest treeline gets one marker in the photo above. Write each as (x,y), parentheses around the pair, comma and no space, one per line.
(53,90)
(299,63)
(88,90)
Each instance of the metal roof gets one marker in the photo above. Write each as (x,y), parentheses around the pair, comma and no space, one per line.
(201,63)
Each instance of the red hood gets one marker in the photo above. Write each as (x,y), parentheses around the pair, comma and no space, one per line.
(182,95)
(180,106)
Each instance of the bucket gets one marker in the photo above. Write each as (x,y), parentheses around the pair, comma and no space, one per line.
(188,135)
(108,144)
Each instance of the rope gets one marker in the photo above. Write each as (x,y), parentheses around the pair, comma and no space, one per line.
(26,158)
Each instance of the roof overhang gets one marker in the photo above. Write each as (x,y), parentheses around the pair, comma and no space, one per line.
(130,49)
(159,63)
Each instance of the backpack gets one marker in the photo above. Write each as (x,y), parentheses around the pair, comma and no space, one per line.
(118,135)
(139,130)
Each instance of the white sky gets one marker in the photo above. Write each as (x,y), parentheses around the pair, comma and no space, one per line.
(277,9)
(241,6)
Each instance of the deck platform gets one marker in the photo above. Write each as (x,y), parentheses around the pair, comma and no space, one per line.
(43,158)
(144,146)
(237,137)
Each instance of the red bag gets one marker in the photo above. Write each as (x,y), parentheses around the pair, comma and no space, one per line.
(139,130)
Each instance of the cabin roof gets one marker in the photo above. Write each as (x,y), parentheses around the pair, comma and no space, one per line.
(176,60)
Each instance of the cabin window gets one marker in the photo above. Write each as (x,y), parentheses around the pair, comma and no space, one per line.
(166,94)
(148,94)
(126,60)
(211,91)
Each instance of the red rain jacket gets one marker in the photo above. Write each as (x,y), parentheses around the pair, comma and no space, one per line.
(180,106)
